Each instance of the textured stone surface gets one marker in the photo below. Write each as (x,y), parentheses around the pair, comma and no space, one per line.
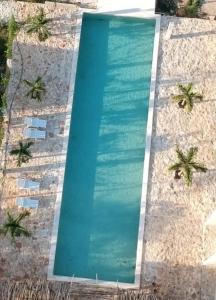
(209,7)
(176,240)
(52,61)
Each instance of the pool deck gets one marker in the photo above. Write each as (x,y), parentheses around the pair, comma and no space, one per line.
(176,240)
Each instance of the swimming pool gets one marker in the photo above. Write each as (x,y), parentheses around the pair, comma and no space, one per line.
(100,207)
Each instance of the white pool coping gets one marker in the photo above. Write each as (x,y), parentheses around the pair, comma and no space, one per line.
(139,254)
(127,7)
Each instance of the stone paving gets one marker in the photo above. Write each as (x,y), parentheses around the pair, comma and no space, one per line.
(51,60)
(176,238)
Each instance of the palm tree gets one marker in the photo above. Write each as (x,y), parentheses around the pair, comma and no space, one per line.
(187,97)
(186,164)
(38,24)
(12,225)
(37,88)
(22,152)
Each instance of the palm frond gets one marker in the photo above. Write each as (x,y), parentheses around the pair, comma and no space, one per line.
(39,78)
(177,98)
(38,96)
(188,175)
(189,103)
(10,217)
(22,216)
(175,167)
(21,144)
(29,144)
(180,155)
(22,231)
(19,162)
(3,230)
(189,87)
(182,88)
(198,96)
(29,83)
(199,167)
(192,153)
(14,152)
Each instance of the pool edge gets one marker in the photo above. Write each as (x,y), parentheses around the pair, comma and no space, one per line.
(146,165)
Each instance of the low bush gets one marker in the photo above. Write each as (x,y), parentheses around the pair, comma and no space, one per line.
(4,80)
(1,129)
(3,77)
(12,31)
(192,8)
(3,48)
(168,7)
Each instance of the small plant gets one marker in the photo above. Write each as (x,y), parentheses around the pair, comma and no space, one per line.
(4,80)
(187,97)
(13,227)
(12,31)
(186,164)
(3,47)
(38,24)
(37,89)
(22,152)
(1,129)
(191,8)
(166,6)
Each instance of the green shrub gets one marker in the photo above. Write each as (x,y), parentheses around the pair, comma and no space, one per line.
(3,48)
(3,103)
(4,80)
(166,6)
(1,130)
(192,7)
(12,31)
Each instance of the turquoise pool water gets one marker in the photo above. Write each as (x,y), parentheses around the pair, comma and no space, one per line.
(100,209)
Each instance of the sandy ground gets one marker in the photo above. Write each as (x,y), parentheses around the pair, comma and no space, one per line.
(176,238)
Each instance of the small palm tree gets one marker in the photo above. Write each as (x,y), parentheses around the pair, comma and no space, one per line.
(38,24)
(37,88)
(186,164)
(12,225)
(187,97)
(22,152)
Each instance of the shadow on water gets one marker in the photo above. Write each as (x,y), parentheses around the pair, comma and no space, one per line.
(75,223)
